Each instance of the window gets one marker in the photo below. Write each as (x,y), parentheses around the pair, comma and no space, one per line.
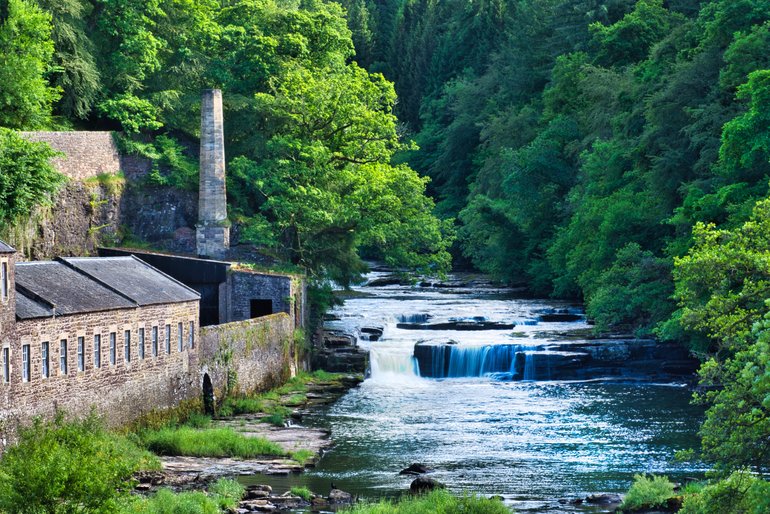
(97,350)
(180,329)
(6,365)
(4,280)
(141,343)
(168,338)
(127,345)
(26,370)
(113,348)
(63,356)
(191,335)
(81,353)
(154,341)
(46,372)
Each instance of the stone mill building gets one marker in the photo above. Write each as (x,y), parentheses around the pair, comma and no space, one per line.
(129,332)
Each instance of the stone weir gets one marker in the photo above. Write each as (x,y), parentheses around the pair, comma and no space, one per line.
(572,360)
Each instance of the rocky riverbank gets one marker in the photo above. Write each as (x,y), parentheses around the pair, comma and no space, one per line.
(305,444)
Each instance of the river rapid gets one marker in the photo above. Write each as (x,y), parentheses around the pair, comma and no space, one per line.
(496,422)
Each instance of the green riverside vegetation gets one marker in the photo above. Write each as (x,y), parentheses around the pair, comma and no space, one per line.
(436,502)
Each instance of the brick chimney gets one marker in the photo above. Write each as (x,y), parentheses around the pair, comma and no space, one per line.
(213,228)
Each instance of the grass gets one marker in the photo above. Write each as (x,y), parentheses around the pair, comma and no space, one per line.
(211,442)
(302,456)
(436,502)
(648,493)
(223,495)
(302,492)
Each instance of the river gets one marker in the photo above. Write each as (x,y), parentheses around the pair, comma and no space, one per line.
(501,419)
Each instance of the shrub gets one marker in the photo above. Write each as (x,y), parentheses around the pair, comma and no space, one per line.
(436,502)
(648,492)
(213,442)
(68,466)
(740,493)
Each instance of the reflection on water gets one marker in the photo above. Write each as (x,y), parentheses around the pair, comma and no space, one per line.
(533,442)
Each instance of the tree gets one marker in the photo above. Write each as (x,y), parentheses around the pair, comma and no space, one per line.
(26,50)
(27,177)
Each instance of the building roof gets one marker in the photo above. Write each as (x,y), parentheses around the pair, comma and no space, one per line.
(81,285)
(6,248)
(134,279)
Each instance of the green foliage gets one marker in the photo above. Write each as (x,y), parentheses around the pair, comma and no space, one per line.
(134,114)
(223,495)
(303,492)
(212,442)
(648,492)
(61,466)
(27,178)
(740,493)
(26,52)
(302,456)
(436,502)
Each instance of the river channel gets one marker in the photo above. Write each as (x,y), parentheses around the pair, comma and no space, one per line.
(495,416)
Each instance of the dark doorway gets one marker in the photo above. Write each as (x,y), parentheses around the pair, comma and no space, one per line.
(208,395)
(261,308)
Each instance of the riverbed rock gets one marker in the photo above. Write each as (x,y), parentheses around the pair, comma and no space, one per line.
(424,484)
(464,326)
(339,497)
(415,469)
(604,499)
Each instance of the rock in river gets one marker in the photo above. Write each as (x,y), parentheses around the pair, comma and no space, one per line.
(415,469)
(425,484)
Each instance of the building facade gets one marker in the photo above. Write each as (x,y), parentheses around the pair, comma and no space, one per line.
(110,334)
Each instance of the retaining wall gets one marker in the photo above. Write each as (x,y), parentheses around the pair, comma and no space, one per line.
(247,356)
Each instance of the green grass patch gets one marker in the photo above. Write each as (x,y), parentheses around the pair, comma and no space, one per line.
(648,492)
(303,492)
(212,442)
(276,419)
(436,502)
(224,494)
(302,456)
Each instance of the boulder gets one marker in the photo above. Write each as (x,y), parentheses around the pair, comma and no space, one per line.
(424,484)
(339,497)
(415,469)
(604,499)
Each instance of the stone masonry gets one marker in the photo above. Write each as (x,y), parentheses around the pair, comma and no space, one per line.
(121,391)
(86,154)
(213,231)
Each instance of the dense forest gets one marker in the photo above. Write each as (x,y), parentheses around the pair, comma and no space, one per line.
(615,152)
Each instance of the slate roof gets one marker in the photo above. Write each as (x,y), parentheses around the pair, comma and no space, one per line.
(81,285)
(5,248)
(135,279)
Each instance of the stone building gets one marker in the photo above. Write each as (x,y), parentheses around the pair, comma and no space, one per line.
(113,334)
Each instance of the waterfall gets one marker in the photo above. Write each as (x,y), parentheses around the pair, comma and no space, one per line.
(501,361)
(389,365)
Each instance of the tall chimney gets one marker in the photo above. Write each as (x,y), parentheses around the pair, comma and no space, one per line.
(213,229)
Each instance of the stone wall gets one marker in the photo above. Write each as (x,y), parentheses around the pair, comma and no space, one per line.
(122,391)
(244,286)
(87,154)
(252,355)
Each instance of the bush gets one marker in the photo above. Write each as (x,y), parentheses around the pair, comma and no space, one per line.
(740,493)
(436,502)
(648,492)
(227,493)
(213,442)
(68,466)
(166,501)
